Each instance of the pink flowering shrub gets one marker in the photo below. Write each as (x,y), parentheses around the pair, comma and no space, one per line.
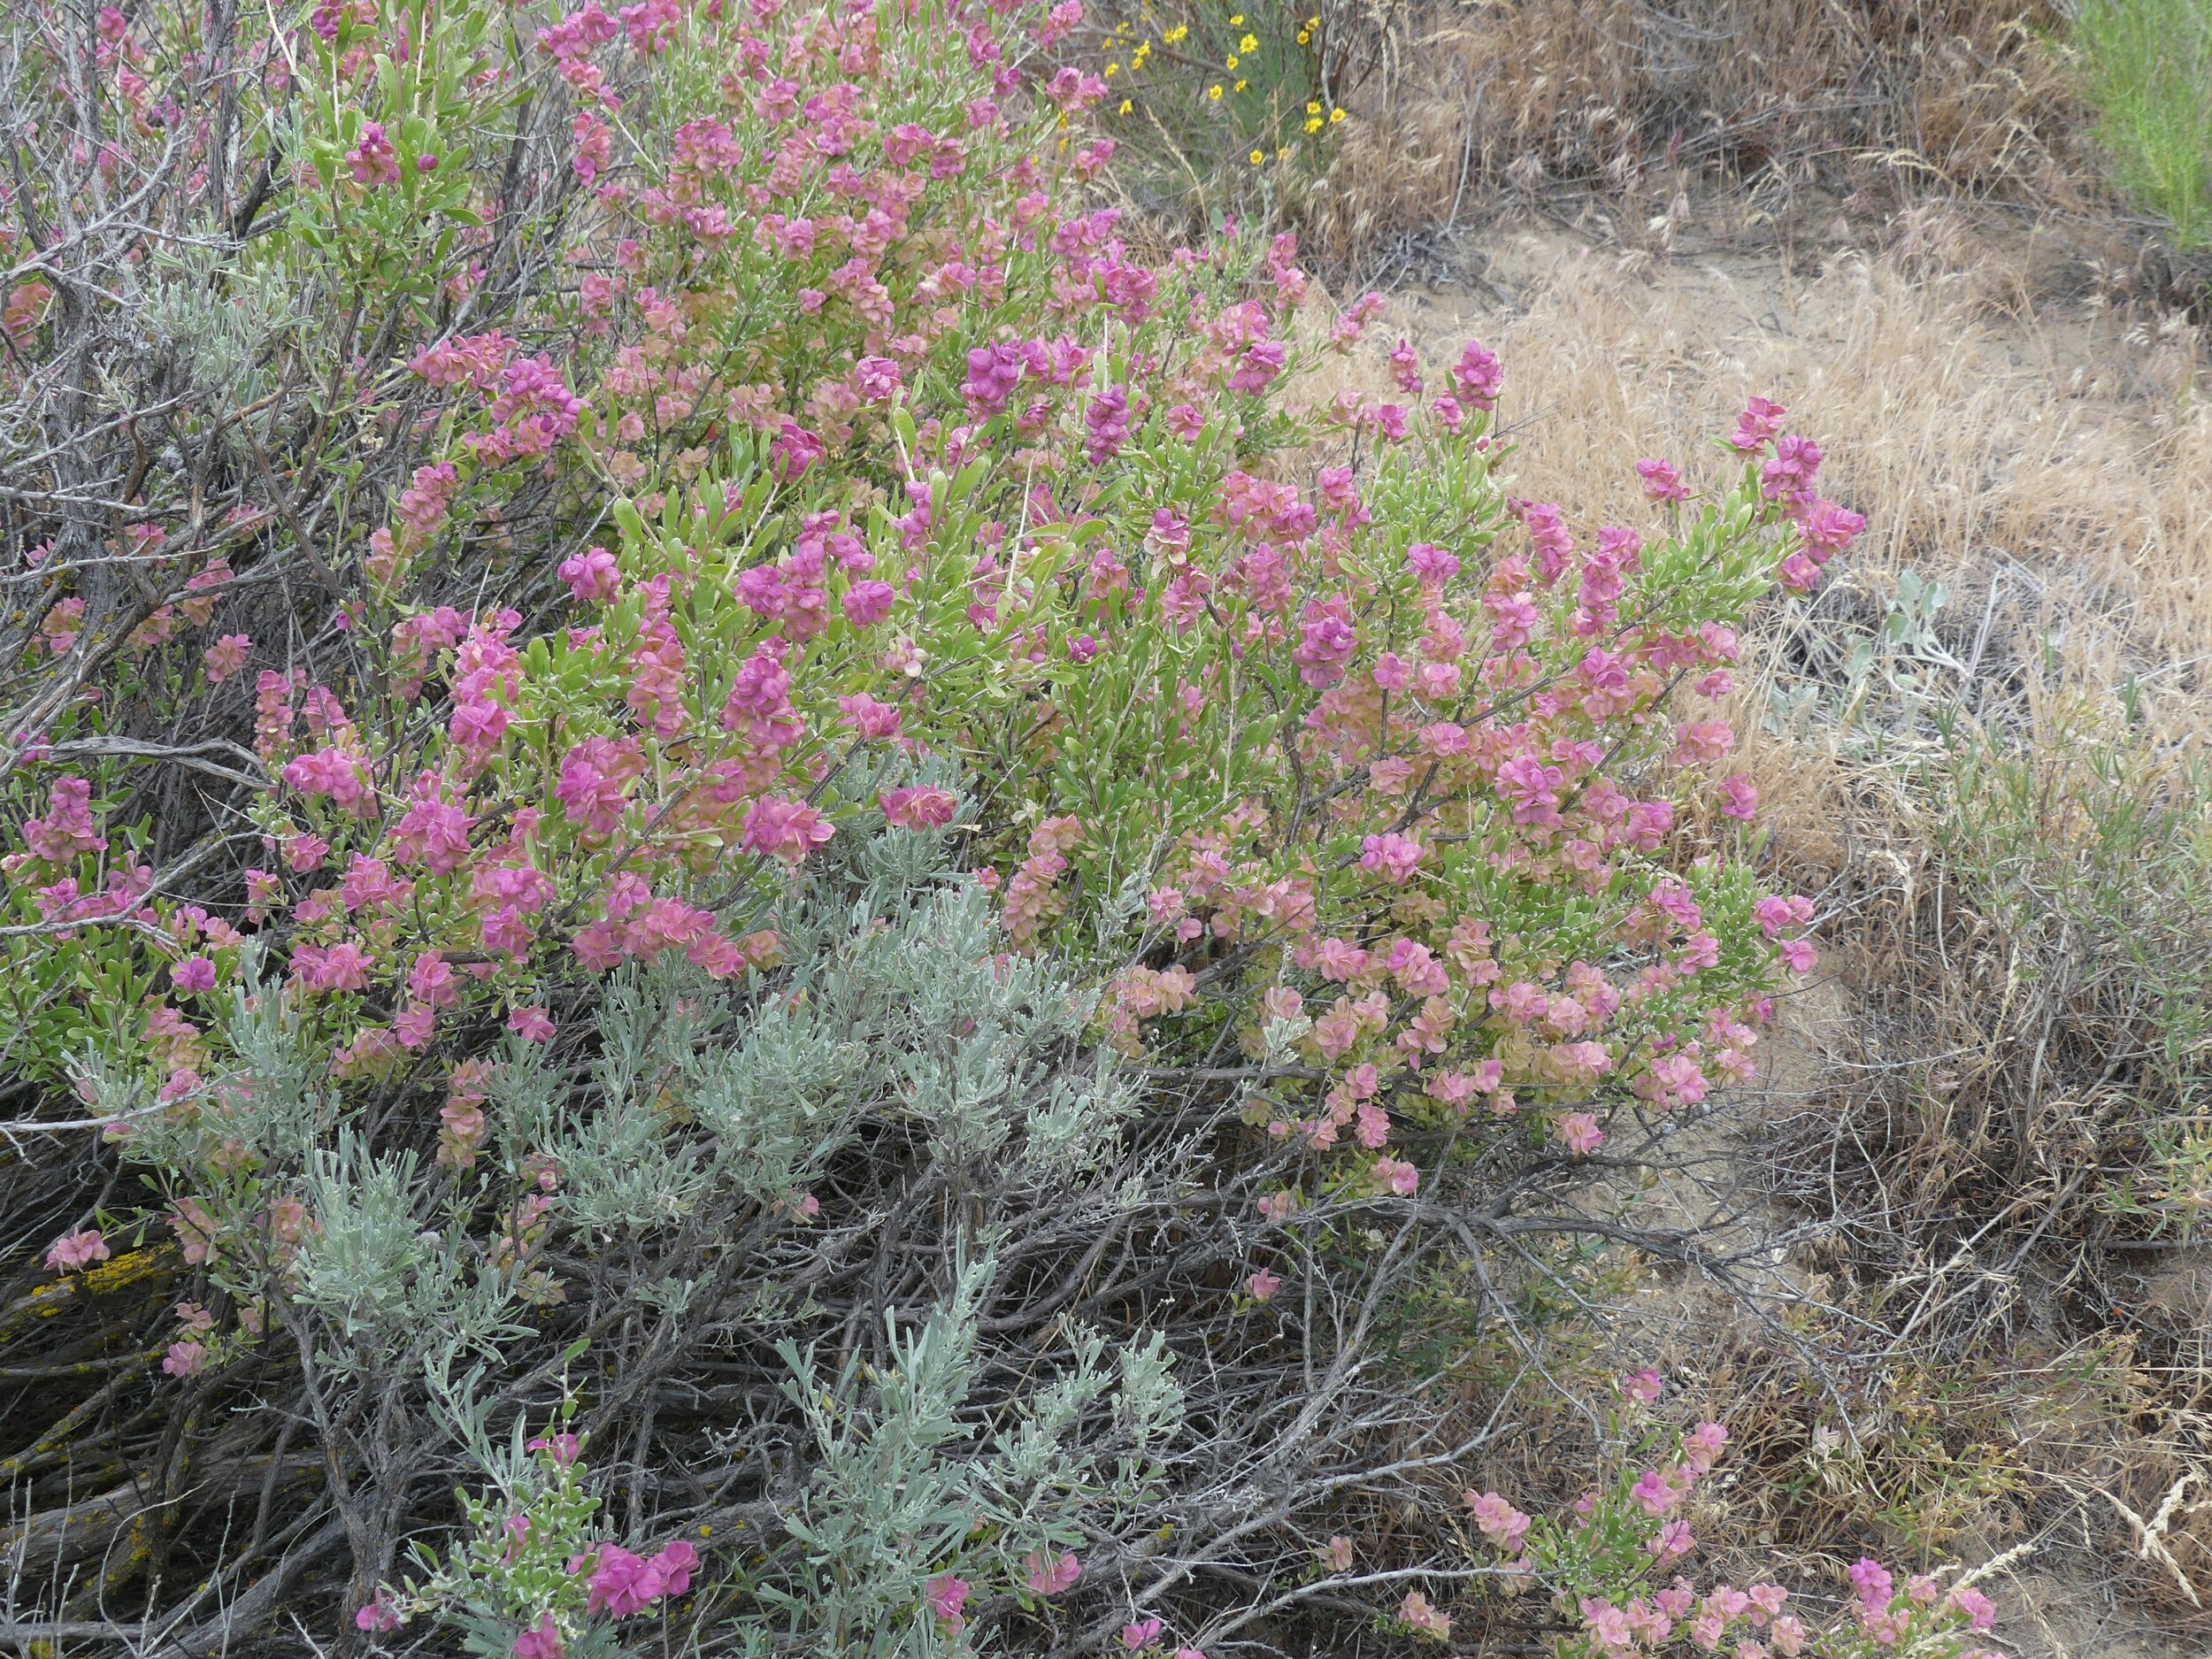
(535,1562)
(1615,1566)
(638,484)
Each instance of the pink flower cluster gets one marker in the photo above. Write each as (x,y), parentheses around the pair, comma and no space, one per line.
(624,1584)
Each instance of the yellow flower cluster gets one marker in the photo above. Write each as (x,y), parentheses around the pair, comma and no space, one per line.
(1247,43)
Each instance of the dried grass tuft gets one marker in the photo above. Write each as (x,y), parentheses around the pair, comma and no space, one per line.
(1455,102)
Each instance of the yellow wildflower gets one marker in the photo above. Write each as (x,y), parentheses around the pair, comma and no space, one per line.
(1336,115)
(1126,106)
(1258,157)
(1214,92)
(1249,43)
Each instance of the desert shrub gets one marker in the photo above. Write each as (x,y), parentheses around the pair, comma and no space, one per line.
(529,538)
(2146,66)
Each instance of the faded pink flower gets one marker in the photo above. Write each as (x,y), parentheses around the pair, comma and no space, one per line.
(1391,855)
(73,1250)
(1397,1176)
(1422,1618)
(947,1595)
(918,807)
(226,656)
(1048,1576)
(1579,1133)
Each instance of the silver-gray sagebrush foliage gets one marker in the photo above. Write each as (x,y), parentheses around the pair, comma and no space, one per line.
(876,1281)
(867,1305)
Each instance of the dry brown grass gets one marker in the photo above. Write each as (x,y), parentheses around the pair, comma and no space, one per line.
(1875,98)
(2060,454)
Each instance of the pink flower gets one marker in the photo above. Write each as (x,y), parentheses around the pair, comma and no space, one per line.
(1579,1133)
(374,1616)
(918,807)
(592,575)
(1759,422)
(1655,1494)
(1661,482)
(532,1025)
(1140,1633)
(784,829)
(1828,529)
(73,1250)
(564,1447)
(1478,375)
(874,721)
(67,829)
(947,1595)
(1499,1521)
(623,1583)
(1607,1623)
(1262,1285)
(1704,741)
(878,378)
(1326,640)
(1642,1386)
(1873,1583)
(1048,1576)
(1431,564)
(374,160)
(185,1359)
(193,974)
(1423,1620)
(541,1641)
(1397,1176)
(993,373)
(868,602)
(1703,1444)
(1980,1611)
(676,1562)
(1391,855)
(226,656)
(1739,797)
(793,451)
